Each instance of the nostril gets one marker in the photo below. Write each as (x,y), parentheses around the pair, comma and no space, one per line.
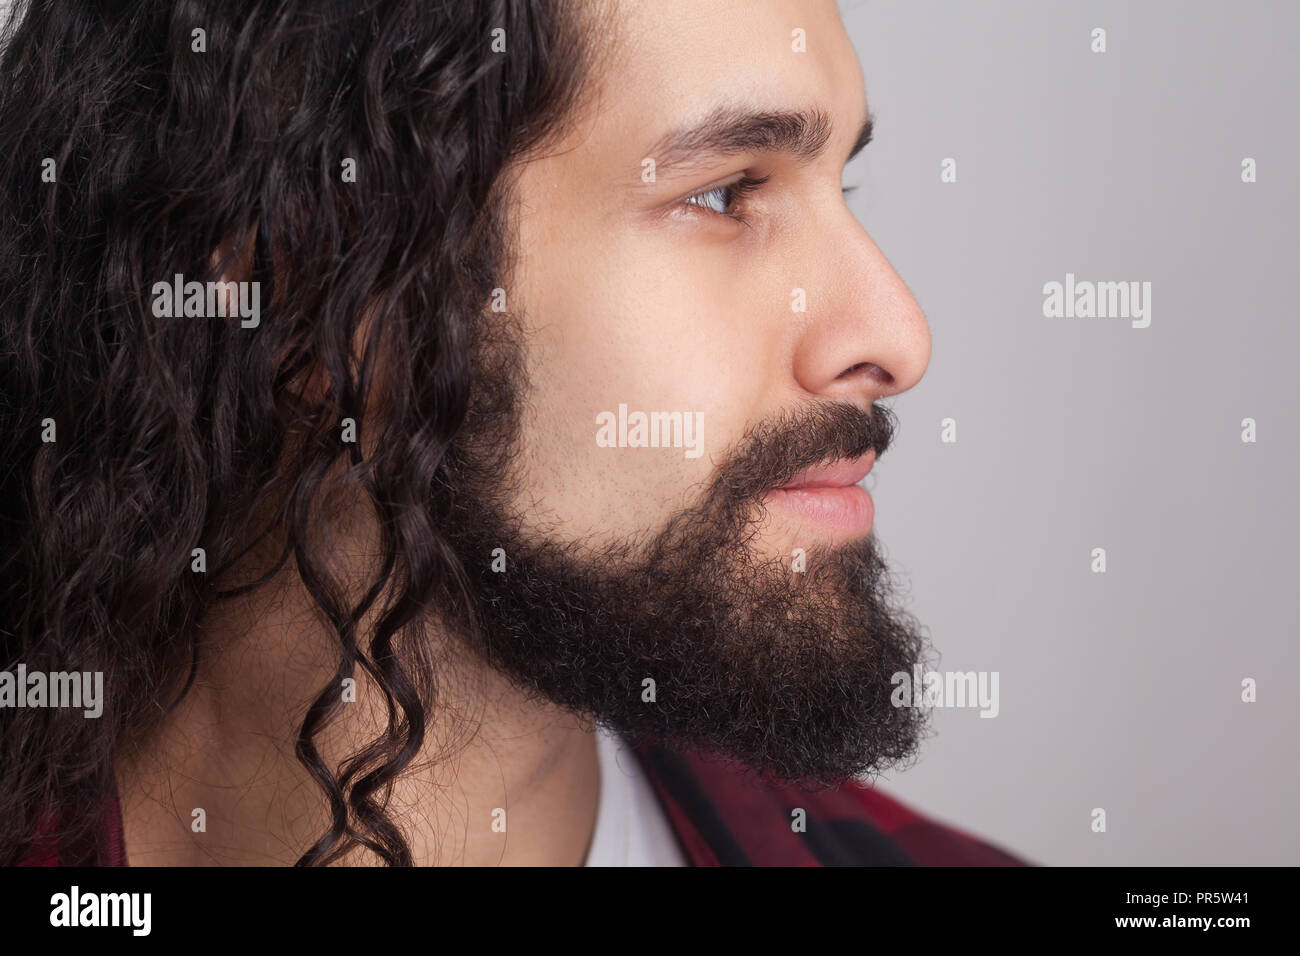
(869,368)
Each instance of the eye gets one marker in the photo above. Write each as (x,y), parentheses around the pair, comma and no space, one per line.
(723,200)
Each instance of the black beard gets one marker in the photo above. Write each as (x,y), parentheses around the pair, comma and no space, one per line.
(689,636)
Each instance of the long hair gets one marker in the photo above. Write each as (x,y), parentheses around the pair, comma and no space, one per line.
(348,157)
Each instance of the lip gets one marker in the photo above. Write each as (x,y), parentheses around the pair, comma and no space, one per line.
(830,496)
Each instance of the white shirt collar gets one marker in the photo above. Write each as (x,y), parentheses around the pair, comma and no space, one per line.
(631,826)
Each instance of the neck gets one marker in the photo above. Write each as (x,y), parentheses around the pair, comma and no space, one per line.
(501,779)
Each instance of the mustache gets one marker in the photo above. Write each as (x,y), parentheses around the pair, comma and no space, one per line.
(774,451)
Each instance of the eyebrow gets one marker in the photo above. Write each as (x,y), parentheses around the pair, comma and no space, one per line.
(729,130)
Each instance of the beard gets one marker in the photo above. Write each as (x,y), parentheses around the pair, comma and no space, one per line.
(686,634)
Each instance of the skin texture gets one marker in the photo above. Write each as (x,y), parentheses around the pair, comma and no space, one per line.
(629,297)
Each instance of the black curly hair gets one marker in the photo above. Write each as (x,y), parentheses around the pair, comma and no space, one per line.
(174,433)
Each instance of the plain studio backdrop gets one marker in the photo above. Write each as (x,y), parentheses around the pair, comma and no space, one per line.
(1119,690)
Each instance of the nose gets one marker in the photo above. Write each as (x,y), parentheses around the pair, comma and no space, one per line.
(866,337)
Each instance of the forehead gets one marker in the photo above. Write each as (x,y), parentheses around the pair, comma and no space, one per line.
(670,63)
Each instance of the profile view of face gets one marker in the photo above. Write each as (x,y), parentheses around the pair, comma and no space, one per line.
(654,282)
(705,330)
(444,395)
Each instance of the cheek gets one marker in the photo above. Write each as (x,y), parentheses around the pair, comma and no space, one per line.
(609,357)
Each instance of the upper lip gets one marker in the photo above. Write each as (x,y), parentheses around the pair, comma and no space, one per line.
(839,474)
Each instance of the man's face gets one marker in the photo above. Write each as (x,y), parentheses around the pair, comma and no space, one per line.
(770,323)
(635,298)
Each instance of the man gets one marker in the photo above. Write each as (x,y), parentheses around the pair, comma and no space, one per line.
(443,427)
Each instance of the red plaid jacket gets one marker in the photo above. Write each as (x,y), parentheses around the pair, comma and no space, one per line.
(721,817)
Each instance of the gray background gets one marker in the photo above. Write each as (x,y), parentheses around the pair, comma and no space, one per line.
(1119,690)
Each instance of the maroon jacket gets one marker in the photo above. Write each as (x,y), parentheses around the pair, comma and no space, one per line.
(722,817)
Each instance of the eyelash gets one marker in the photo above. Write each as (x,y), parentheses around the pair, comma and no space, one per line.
(741,188)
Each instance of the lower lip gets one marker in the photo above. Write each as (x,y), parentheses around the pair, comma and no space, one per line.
(846,509)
